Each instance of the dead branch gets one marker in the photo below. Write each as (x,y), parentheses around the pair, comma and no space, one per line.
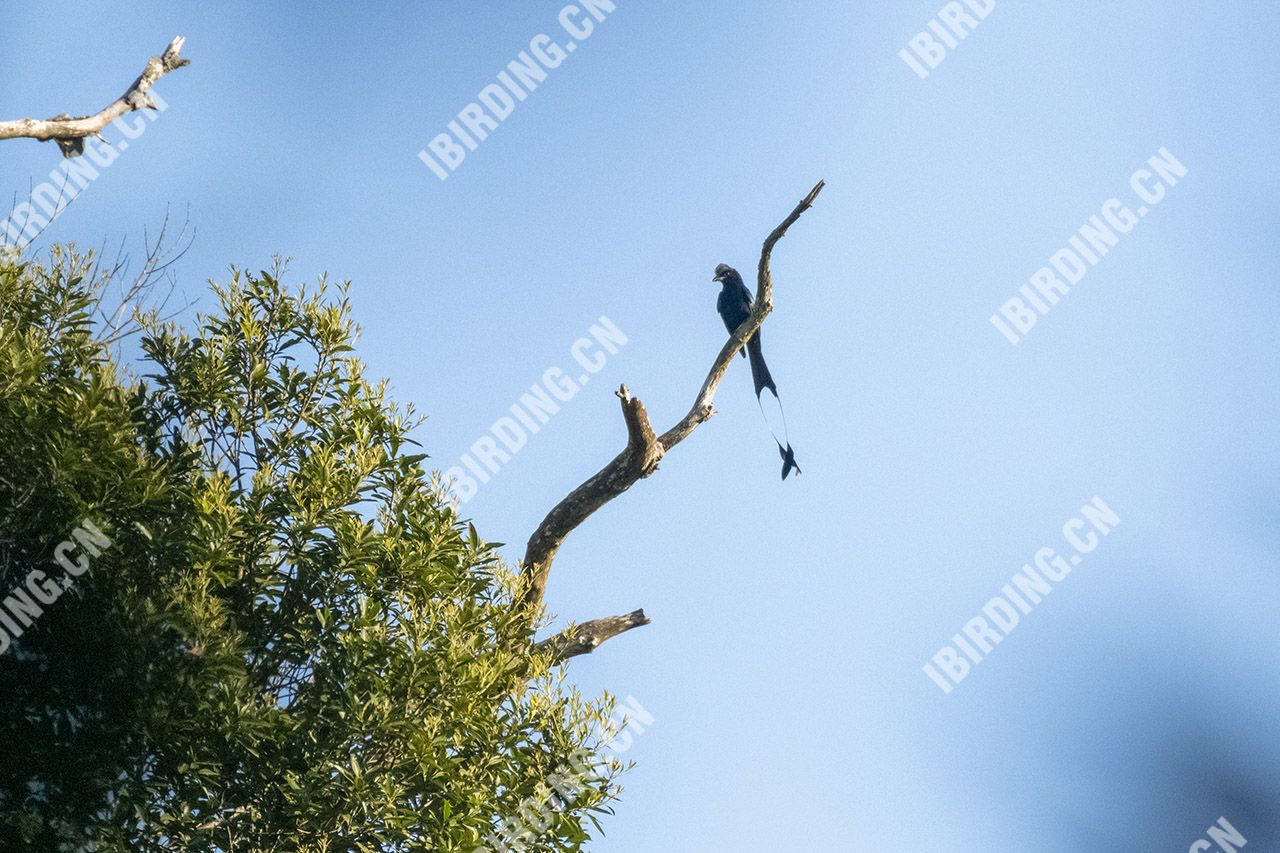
(70,133)
(583,639)
(638,459)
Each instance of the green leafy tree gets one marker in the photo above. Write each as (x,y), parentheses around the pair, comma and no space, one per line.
(291,641)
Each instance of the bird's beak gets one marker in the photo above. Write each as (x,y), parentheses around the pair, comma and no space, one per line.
(718,278)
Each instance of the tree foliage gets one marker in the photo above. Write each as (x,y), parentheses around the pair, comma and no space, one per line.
(292,641)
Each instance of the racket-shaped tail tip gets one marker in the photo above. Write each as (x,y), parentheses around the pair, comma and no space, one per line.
(788,461)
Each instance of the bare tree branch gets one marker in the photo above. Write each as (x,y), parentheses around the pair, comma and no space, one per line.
(70,132)
(134,300)
(583,639)
(638,460)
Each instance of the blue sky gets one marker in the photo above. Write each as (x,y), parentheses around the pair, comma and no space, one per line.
(1129,710)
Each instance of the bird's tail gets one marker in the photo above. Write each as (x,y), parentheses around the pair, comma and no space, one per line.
(762,378)
(788,460)
(759,370)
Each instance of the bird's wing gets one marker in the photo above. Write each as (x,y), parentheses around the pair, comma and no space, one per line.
(734,305)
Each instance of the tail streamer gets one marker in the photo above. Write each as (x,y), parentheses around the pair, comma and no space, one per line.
(788,455)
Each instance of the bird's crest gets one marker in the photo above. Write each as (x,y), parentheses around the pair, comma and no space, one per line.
(724,273)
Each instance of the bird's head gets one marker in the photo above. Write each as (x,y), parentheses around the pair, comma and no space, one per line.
(726,273)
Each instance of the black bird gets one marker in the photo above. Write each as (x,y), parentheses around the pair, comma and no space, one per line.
(734,306)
